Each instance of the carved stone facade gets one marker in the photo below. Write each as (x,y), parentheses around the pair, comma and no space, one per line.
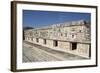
(73,37)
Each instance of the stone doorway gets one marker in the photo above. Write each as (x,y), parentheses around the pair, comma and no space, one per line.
(45,42)
(73,46)
(55,43)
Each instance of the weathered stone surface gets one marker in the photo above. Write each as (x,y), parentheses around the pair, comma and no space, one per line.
(74,37)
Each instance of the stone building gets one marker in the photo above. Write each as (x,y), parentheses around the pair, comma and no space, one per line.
(72,37)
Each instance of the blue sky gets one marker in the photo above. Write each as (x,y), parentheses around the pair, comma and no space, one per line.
(37,19)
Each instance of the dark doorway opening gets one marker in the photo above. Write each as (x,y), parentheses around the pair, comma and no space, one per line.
(37,40)
(74,46)
(90,51)
(55,43)
(45,41)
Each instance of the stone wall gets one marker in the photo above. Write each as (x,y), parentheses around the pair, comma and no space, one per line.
(64,36)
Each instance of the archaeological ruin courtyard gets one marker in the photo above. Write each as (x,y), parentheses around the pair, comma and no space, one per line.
(36,53)
(58,42)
